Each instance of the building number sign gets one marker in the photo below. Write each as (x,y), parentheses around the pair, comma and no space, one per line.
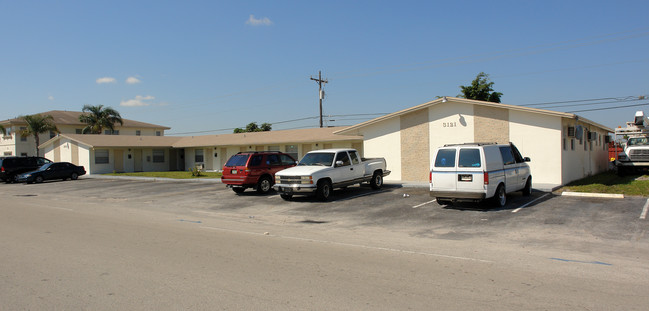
(449,124)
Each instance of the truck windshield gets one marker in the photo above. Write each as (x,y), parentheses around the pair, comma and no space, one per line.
(638,141)
(322,159)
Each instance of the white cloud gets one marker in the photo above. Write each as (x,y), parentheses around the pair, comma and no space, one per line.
(50,97)
(105,80)
(132,80)
(264,21)
(138,101)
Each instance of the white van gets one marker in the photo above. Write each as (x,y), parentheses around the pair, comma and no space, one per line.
(478,171)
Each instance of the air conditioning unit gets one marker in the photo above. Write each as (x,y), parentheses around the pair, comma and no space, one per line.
(571,131)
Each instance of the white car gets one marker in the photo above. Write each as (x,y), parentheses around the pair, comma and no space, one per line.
(478,171)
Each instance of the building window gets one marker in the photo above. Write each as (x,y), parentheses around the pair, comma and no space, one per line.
(291,150)
(101,156)
(564,144)
(24,154)
(52,134)
(572,144)
(7,153)
(23,137)
(158,133)
(113,132)
(198,155)
(158,156)
(138,132)
(273,148)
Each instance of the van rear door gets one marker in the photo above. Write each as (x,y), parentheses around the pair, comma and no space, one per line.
(443,173)
(470,174)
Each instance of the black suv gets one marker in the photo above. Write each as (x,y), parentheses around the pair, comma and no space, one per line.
(10,167)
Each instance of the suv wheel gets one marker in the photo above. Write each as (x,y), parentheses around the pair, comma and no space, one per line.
(264,185)
(324,190)
(238,189)
(527,191)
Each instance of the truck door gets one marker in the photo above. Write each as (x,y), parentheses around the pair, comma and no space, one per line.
(342,171)
(358,169)
(512,169)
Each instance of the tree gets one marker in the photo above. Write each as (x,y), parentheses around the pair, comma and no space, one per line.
(37,124)
(98,118)
(253,127)
(481,89)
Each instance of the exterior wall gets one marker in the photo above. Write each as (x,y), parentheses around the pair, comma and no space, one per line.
(450,123)
(539,137)
(415,146)
(582,161)
(491,124)
(383,140)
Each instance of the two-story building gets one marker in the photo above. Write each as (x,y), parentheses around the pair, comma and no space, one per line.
(67,122)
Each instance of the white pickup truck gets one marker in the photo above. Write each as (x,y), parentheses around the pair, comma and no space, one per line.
(321,171)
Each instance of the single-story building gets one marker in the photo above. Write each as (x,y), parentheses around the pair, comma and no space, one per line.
(101,154)
(563,146)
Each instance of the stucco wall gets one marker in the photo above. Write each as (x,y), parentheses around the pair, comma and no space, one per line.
(384,140)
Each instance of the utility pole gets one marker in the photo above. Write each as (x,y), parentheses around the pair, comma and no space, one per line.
(320,94)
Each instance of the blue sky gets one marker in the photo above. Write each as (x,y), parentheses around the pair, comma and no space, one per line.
(205,67)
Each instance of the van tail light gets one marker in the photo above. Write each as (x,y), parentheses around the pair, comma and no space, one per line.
(486,178)
(430,177)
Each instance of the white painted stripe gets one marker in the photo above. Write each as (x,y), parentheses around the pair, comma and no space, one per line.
(422,204)
(350,245)
(644,210)
(528,203)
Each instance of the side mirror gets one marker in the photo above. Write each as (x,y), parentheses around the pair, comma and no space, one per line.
(339,163)
(526,159)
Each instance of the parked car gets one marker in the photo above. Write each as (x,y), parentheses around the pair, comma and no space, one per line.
(320,171)
(255,170)
(49,171)
(478,171)
(11,167)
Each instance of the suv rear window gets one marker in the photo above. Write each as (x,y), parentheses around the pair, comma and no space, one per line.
(469,158)
(445,158)
(238,160)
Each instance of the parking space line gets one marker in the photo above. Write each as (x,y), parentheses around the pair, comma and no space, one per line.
(644,210)
(528,203)
(422,204)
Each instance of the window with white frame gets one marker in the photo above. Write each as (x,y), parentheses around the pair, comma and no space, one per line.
(158,155)
(101,156)
(198,155)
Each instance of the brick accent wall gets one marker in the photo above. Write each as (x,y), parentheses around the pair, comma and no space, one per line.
(491,124)
(415,146)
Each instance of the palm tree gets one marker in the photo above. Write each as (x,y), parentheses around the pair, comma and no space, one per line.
(37,124)
(98,118)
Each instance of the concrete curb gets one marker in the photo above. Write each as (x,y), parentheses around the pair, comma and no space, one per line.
(593,195)
(154,179)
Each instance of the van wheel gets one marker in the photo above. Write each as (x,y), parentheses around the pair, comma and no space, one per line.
(286,196)
(443,202)
(527,191)
(500,198)
(324,190)
(238,189)
(264,185)
(377,181)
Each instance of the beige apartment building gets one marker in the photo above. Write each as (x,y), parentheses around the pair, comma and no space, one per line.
(67,122)
(563,146)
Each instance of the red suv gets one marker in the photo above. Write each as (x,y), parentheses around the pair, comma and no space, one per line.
(255,170)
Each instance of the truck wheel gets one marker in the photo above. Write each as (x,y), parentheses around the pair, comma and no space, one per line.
(324,190)
(264,185)
(238,189)
(527,191)
(621,171)
(500,198)
(377,181)
(286,196)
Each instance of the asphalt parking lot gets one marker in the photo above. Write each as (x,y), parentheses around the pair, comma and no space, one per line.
(570,222)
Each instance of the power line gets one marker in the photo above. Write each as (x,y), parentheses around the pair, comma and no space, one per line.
(609,108)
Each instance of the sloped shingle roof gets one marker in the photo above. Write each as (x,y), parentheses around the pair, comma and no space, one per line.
(72,118)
